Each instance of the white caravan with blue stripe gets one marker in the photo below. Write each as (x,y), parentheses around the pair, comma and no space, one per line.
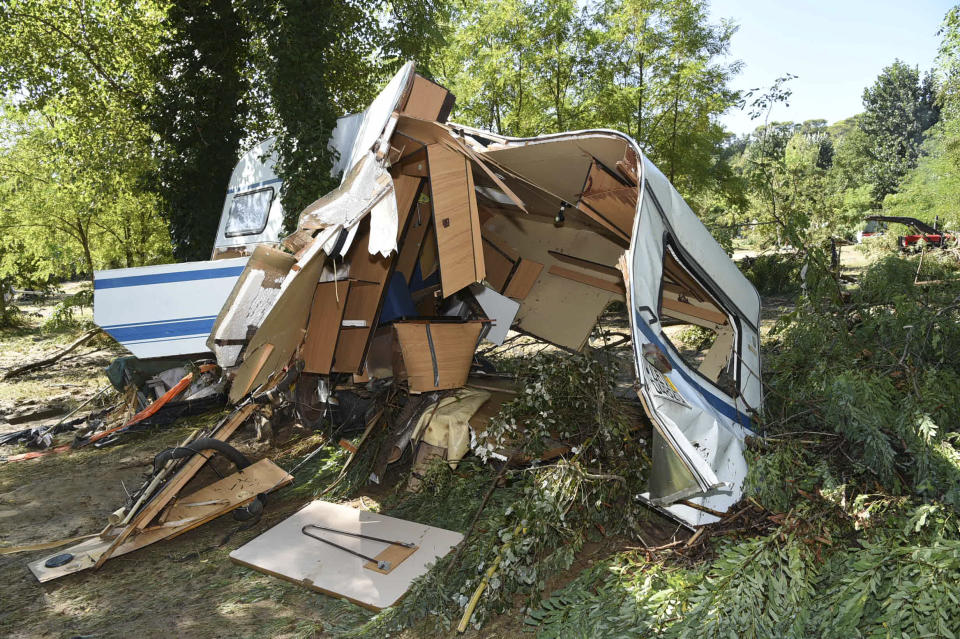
(252,214)
(164,310)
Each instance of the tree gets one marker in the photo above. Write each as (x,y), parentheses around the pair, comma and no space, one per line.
(75,152)
(198,113)
(898,109)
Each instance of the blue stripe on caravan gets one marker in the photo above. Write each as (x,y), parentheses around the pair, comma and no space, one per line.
(165,330)
(720,405)
(251,187)
(179,319)
(164,278)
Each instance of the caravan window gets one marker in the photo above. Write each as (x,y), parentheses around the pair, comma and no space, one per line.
(700,330)
(249,212)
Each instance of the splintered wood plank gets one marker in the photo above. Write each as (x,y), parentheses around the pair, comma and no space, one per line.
(523,279)
(329,302)
(177,482)
(456,219)
(589,280)
(186,513)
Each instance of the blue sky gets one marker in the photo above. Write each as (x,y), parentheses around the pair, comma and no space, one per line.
(835,47)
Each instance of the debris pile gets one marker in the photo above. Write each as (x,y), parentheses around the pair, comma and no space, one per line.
(368,319)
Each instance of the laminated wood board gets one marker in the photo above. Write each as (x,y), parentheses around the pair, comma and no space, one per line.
(420,222)
(498,264)
(446,363)
(456,219)
(553,297)
(607,195)
(524,277)
(285,552)
(589,280)
(284,325)
(185,514)
(428,100)
(372,273)
(329,302)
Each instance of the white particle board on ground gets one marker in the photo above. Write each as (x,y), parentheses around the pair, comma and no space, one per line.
(285,552)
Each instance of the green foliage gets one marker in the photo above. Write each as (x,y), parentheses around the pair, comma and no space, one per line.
(897,581)
(540,518)
(898,109)
(773,274)
(198,113)
(64,314)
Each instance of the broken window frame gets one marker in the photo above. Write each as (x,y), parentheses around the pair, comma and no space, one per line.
(245,231)
(672,248)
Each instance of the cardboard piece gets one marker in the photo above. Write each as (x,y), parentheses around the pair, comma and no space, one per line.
(437,354)
(285,552)
(456,219)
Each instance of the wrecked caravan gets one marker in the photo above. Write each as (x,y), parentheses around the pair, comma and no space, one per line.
(440,236)
(168,310)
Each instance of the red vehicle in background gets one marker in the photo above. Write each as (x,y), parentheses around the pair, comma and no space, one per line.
(930,234)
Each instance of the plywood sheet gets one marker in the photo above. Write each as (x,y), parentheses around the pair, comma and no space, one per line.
(329,302)
(606,195)
(524,277)
(456,220)
(285,552)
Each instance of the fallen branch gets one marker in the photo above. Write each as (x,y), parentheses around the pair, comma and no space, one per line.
(53,359)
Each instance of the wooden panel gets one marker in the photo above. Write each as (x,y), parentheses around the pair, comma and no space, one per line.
(453,345)
(227,494)
(456,219)
(223,432)
(523,279)
(329,302)
(285,552)
(414,241)
(586,264)
(363,302)
(426,99)
(351,345)
(606,195)
(497,264)
(589,280)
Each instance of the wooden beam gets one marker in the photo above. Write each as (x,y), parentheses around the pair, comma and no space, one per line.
(589,280)
(587,264)
(693,311)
